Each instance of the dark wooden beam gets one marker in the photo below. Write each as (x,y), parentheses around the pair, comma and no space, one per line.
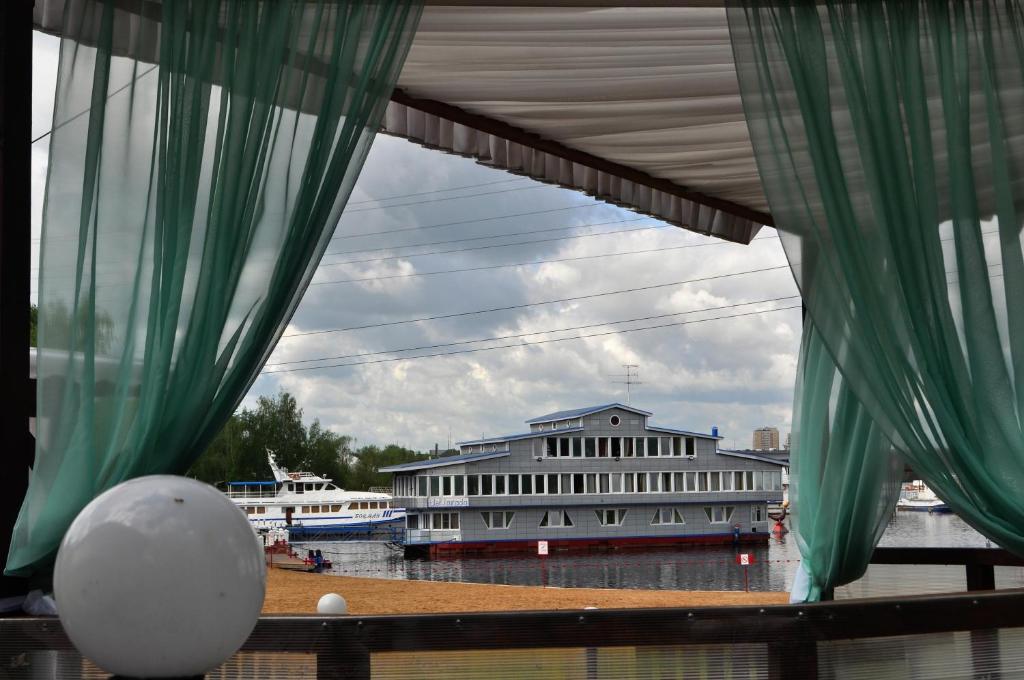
(15,266)
(519,136)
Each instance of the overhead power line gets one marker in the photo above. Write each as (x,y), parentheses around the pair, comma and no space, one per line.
(504,235)
(524,335)
(448,198)
(589,296)
(489,247)
(529,343)
(437,191)
(475,220)
(577,258)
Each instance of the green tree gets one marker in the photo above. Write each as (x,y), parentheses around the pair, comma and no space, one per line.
(371,458)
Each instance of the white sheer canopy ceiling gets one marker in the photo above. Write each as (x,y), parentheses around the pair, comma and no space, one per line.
(638,106)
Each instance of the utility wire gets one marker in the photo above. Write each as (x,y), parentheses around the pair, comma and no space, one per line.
(535,304)
(447,198)
(529,343)
(518,264)
(437,191)
(505,235)
(523,335)
(475,220)
(504,245)
(82,113)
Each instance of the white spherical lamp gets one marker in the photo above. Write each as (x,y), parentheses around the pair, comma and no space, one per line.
(332,603)
(160,576)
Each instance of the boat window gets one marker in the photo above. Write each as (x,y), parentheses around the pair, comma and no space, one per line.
(325,508)
(305,509)
(310,487)
(335,508)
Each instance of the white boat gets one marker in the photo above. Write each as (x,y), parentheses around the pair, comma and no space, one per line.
(916,496)
(304,503)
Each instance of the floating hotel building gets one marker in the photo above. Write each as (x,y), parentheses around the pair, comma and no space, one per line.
(590,478)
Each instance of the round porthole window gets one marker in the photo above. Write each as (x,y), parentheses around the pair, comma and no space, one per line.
(615,421)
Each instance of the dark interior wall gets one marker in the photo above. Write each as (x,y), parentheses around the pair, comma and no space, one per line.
(16,447)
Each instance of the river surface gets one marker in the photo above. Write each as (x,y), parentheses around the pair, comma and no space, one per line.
(689,568)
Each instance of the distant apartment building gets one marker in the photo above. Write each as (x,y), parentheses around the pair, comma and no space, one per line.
(766,439)
(589,478)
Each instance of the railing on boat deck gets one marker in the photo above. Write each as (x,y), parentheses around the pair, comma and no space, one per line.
(980,633)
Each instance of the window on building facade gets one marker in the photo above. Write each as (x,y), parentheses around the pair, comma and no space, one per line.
(538,484)
(641,483)
(719,514)
(551,447)
(446,485)
(666,482)
(412,521)
(565,446)
(526,485)
(513,484)
(616,483)
(486,485)
(590,446)
(611,517)
(758,513)
(473,485)
(653,482)
(421,484)
(591,483)
(616,447)
(577,483)
(497,519)
(499,485)
(444,520)
(435,486)
(556,518)
(677,446)
(565,484)
(716,481)
(629,484)
(652,447)
(629,447)
(691,446)
(727,478)
(552,483)
(603,484)
(602,447)
(460,485)
(668,516)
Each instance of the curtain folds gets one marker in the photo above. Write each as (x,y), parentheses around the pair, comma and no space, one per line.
(890,141)
(188,202)
(844,477)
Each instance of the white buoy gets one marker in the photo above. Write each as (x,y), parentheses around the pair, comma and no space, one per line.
(159,577)
(332,603)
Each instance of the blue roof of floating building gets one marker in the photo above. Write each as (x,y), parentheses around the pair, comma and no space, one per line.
(515,437)
(443,461)
(580,412)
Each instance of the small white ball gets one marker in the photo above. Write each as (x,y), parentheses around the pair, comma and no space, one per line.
(159,577)
(332,603)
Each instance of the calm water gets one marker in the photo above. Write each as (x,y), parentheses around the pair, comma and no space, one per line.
(697,568)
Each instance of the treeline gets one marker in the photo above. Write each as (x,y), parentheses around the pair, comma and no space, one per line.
(239,452)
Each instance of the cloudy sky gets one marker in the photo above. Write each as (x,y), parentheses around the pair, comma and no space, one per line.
(526,243)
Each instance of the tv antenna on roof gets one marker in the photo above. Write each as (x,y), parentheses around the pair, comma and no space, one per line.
(629,379)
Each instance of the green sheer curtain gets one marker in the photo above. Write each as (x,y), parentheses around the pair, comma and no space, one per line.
(844,477)
(202,153)
(889,137)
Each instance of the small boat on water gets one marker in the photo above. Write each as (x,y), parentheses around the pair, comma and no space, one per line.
(304,503)
(917,497)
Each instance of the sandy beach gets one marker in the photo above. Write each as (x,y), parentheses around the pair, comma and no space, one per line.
(290,592)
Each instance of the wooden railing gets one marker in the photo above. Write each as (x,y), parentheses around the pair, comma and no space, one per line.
(344,645)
